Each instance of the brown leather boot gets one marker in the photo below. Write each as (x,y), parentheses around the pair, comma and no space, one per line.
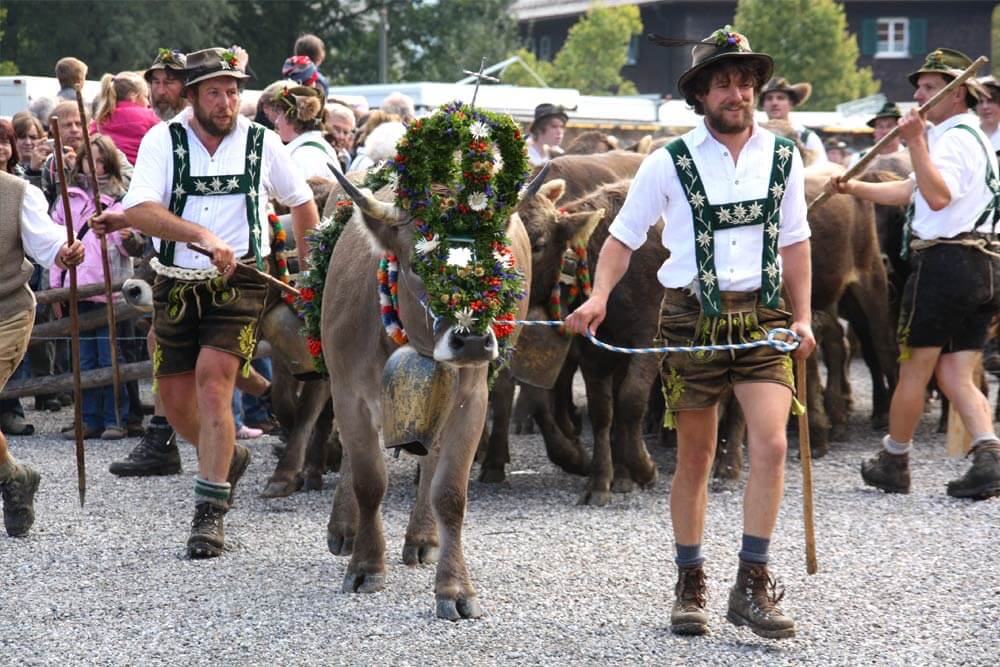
(889,472)
(753,602)
(688,616)
(982,480)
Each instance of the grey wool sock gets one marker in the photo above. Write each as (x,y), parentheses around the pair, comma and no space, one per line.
(754,549)
(216,493)
(688,555)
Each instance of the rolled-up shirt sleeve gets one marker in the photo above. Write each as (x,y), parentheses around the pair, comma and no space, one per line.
(793,225)
(40,236)
(282,179)
(646,201)
(152,173)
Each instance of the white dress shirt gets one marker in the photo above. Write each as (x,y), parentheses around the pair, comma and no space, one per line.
(40,237)
(962,164)
(311,161)
(657,192)
(223,215)
(995,139)
(813,143)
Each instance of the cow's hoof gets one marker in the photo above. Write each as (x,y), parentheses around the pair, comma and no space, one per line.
(838,433)
(644,474)
(456,610)
(820,450)
(363,582)
(572,459)
(622,483)
(340,545)
(595,498)
(278,488)
(278,450)
(312,480)
(491,475)
(419,553)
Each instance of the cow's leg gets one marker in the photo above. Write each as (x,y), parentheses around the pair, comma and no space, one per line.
(566,414)
(630,400)
(421,544)
(455,595)
(835,355)
(865,307)
(728,463)
(524,408)
(819,425)
(563,449)
(318,449)
(600,406)
(285,480)
(343,523)
(497,453)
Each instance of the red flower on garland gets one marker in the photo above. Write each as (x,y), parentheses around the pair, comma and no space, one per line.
(315,346)
(503,326)
(307,294)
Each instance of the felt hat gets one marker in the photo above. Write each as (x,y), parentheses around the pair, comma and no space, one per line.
(888,110)
(723,44)
(991,85)
(211,63)
(546,110)
(798,93)
(950,63)
(168,59)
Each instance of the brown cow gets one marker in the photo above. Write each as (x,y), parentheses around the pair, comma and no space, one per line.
(356,348)
(591,141)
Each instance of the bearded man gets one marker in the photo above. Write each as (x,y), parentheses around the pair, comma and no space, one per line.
(166,83)
(723,213)
(206,178)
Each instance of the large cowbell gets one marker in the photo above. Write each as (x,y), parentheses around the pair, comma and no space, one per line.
(540,352)
(417,394)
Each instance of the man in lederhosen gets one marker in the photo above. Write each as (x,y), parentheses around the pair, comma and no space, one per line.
(733,228)
(953,291)
(205,178)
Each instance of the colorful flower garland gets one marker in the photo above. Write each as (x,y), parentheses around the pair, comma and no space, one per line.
(279,239)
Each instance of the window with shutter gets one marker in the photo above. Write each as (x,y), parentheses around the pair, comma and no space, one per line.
(892,37)
(868,37)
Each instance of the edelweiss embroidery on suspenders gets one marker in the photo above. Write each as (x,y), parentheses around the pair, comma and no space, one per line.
(185,185)
(708,218)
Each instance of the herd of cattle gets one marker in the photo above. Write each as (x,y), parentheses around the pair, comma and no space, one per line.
(856,276)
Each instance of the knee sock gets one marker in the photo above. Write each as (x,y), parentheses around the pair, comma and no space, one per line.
(159,421)
(9,469)
(688,555)
(216,493)
(754,549)
(896,448)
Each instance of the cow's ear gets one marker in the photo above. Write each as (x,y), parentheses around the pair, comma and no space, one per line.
(577,227)
(553,190)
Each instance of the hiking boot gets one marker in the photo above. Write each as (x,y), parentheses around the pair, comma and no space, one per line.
(19,501)
(12,423)
(156,454)
(208,535)
(237,466)
(982,480)
(889,472)
(114,433)
(688,617)
(753,602)
(50,403)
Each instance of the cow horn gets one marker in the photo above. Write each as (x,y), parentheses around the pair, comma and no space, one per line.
(531,189)
(380,210)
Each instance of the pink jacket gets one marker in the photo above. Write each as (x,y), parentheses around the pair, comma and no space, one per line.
(81,206)
(127,125)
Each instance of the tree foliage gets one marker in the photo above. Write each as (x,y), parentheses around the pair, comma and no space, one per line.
(591,60)
(808,40)
(6,67)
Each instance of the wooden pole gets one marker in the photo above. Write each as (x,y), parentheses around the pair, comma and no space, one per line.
(251,272)
(805,455)
(87,322)
(105,263)
(81,466)
(863,163)
(61,294)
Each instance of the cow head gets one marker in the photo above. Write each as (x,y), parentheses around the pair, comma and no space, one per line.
(389,228)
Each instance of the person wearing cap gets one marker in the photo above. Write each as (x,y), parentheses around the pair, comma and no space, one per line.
(778,98)
(166,83)
(303,71)
(206,178)
(732,196)
(836,150)
(881,124)
(988,111)
(953,292)
(299,123)
(546,130)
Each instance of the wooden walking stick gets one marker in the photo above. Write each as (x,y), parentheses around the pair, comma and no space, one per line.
(105,263)
(251,272)
(805,455)
(81,467)
(863,163)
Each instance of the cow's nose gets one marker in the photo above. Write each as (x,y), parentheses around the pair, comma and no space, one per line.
(471,344)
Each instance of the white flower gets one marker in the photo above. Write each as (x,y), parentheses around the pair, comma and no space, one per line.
(772,230)
(478,201)
(460,256)
(180,152)
(784,152)
(323,222)
(393,181)
(200,186)
(684,162)
(464,319)
(708,277)
(425,245)
(697,200)
(233,183)
(502,259)
(216,184)
(725,215)
(704,239)
(480,130)
(756,210)
(771,270)
(497,160)
(778,190)
(740,211)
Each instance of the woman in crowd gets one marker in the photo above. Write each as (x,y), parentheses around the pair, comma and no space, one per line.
(123,112)
(31,146)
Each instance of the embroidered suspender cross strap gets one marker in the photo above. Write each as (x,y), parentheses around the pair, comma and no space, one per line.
(709,218)
(185,185)
(992,208)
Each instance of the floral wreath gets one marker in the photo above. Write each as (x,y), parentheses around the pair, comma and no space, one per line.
(167,57)
(462,254)
(229,60)
(726,36)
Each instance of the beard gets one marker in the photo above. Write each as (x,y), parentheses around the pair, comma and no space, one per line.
(717,120)
(166,109)
(212,124)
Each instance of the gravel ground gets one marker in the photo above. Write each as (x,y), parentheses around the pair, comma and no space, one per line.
(904,580)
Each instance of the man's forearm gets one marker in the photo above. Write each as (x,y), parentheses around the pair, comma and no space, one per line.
(796,261)
(154,220)
(893,193)
(305,218)
(612,264)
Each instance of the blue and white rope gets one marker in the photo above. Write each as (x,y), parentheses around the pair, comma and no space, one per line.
(789,342)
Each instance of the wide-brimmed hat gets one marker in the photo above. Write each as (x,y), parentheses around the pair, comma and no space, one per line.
(990,84)
(950,63)
(723,44)
(888,110)
(303,103)
(798,93)
(211,63)
(546,110)
(167,59)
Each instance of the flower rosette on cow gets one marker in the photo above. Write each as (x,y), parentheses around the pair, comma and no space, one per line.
(459,172)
